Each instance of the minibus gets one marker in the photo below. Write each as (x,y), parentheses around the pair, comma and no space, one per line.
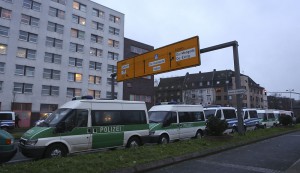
(251,119)
(224,113)
(267,118)
(84,125)
(175,122)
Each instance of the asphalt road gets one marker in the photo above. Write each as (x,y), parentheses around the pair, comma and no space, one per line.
(269,156)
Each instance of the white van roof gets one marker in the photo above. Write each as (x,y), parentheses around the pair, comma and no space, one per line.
(105,104)
(188,108)
(217,107)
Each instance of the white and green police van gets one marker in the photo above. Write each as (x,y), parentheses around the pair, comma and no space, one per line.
(84,125)
(267,118)
(175,122)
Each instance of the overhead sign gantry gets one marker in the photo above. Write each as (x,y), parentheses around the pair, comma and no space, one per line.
(168,58)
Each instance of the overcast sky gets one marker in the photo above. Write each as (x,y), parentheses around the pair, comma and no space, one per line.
(268,33)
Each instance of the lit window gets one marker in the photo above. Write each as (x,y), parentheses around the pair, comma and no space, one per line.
(5,13)
(113,43)
(3,49)
(79,6)
(114,19)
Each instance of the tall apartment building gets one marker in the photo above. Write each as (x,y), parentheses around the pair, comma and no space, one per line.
(53,50)
(210,88)
(139,89)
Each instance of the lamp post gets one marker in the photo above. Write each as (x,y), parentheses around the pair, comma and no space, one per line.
(290,91)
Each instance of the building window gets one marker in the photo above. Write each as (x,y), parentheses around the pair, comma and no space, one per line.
(78,20)
(94,79)
(79,6)
(95,65)
(27,36)
(2,66)
(109,81)
(23,88)
(96,39)
(72,92)
(51,74)
(111,68)
(75,62)
(22,70)
(96,52)
(26,53)
(29,20)
(144,98)
(109,94)
(74,77)
(52,58)
(63,2)
(114,31)
(74,47)
(114,19)
(5,13)
(97,26)
(218,98)
(32,5)
(1,83)
(3,49)
(77,33)
(113,43)
(98,13)
(113,56)
(54,27)
(4,31)
(137,50)
(54,42)
(54,12)
(95,93)
(48,90)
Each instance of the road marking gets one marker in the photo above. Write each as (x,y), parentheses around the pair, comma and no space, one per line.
(249,168)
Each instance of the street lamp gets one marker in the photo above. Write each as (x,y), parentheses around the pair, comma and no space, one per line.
(290,91)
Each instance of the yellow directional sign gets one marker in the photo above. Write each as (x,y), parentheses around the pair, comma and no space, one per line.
(168,58)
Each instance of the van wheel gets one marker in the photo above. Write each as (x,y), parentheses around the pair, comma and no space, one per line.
(56,150)
(163,139)
(198,134)
(265,126)
(133,142)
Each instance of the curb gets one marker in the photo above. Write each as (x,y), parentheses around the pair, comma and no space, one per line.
(174,160)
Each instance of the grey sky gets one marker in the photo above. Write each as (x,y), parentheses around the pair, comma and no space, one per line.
(268,33)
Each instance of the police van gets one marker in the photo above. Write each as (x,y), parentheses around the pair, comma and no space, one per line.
(84,125)
(7,120)
(223,113)
(267,118)
(175,122)
(251,119)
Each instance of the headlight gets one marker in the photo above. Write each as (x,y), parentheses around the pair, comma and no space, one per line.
(31,142)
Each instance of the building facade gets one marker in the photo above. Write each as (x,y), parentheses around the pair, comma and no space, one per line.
(139,89)
(210,88)
(51,51)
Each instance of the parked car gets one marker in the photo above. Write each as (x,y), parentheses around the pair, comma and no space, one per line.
(7,147)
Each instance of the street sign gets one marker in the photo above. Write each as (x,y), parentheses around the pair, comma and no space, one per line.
(236,91)
(168,58)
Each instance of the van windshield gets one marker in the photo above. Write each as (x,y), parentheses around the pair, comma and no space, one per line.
(157,116)
(229,113)
(55,117)
(253,114)
(209,113)
(5,116)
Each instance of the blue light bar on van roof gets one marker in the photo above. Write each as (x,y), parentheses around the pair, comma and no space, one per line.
(87,97)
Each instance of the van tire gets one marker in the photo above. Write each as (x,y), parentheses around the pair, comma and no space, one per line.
(56,150)
(199,134)
(163,139)
(133,142)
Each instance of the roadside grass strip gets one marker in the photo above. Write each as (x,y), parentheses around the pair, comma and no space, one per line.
(135,158)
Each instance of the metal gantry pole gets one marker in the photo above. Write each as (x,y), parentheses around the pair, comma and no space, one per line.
(234,44)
